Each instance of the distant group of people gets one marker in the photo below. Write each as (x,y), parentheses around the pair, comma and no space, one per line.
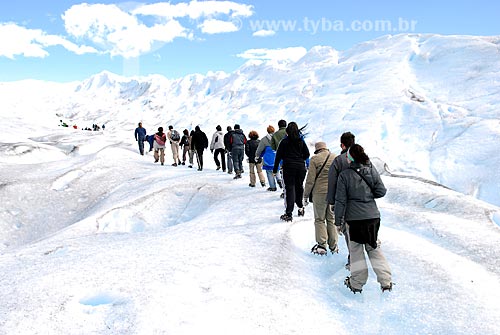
(95,127)
(342,188)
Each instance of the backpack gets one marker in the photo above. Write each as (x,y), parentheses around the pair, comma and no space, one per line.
(175,135)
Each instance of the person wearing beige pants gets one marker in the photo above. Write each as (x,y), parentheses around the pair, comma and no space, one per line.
(359,267)
(317,185)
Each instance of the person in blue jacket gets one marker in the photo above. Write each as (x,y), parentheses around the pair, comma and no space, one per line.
(266,152)
(140,137)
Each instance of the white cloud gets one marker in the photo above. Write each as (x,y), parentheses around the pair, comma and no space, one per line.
(196,9)
(213,26)
(18,40)
(291,54)
(264,33)
(119,32)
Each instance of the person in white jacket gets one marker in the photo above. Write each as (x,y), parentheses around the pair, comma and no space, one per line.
(174,137)
(217,148)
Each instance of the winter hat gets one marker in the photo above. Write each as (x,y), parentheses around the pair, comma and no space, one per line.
(319,146)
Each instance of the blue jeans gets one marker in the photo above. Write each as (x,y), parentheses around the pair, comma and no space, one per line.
(271,178)
(229,162)
(141,145)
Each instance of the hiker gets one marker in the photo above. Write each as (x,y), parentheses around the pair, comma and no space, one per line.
(315,191)
(278,136)
(227,147)
(140,137)
(267,154)
(174,138)
(339,164)
(238,141)
(184,145)
(357,188)
(217,148)
(294,152)
(254,163)
(159,146)
(199,142)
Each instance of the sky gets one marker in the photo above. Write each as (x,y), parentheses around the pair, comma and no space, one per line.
(66,41)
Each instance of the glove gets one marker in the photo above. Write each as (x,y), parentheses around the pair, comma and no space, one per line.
(305,201)
(259,160)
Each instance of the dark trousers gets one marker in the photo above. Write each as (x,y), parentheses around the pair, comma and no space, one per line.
(199,157)
(294,188)
(220,152)
(141,145)
(238,156)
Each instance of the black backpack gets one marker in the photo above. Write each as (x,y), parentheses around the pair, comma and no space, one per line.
(175,135)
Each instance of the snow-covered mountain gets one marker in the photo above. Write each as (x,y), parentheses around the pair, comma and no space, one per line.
(426,105)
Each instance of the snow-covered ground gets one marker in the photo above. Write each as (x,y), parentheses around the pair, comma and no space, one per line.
(104,241)
(96,239)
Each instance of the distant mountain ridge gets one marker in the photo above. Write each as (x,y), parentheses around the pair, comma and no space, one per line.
(425,104)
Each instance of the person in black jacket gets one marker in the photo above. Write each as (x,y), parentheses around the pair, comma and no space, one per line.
(199,142)
(357,188)
(254,163)
(227,146)
(237,142)
(294,153)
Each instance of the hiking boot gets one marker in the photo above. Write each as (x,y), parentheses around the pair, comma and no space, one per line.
(190,166)
(175,164)
(183,163)
(334,249)
(156,161)
(180,163)
(161,163)
(347,282)
(218,168)
(224,170)
(318,249)
(263,184)
(282,195)
(251,185)
(272,189)
(387,287)
(301,211)
(286,217)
